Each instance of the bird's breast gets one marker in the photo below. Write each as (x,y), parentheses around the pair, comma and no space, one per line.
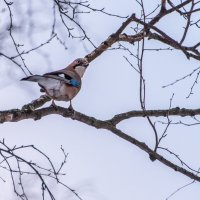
(61,91)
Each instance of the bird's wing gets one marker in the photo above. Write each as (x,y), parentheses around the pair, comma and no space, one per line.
(59,73)
(66,76)
(58,77)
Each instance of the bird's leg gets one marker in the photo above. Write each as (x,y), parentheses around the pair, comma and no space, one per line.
(70,105)
(53,104)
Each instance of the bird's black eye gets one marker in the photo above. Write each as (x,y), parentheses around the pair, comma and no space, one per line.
(78,61)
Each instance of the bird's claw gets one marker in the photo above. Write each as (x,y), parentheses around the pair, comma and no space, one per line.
(70,108)
(53,105)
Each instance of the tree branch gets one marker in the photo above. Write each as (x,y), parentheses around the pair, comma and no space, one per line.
(36,103)
(15,115)
(109,41)
(18,115)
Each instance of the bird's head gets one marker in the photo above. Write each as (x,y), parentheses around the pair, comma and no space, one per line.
(80,65)
(80,62)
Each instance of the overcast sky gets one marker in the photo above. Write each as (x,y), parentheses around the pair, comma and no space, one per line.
(100,165)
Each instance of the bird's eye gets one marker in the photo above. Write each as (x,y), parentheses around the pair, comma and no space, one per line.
(78,61)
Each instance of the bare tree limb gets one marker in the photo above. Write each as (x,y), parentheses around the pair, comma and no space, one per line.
(17,115)
(17,166)
(110,41)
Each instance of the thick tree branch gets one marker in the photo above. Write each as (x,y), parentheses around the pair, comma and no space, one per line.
(160,35)
(109,41)
(154,155)
(17,115)
(36,103)
(183,112)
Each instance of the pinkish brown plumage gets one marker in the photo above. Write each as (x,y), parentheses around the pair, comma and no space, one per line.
(64,84)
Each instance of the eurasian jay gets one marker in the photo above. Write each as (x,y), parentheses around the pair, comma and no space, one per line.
(64,84)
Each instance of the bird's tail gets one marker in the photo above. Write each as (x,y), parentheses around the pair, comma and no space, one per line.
(46,82)
(34,78)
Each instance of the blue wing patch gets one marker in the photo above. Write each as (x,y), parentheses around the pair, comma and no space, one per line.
(74,83)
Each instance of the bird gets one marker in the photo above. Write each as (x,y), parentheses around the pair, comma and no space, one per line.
(64,84)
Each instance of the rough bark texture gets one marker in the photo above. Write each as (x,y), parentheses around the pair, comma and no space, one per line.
(110,125)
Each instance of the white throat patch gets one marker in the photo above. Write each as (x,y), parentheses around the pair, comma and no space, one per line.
(80,70)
